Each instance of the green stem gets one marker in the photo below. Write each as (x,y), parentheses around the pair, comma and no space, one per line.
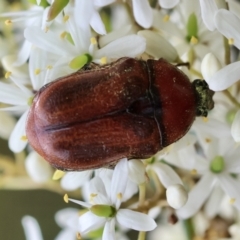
(189,228)
(227,51)
(141,235)
(142,194)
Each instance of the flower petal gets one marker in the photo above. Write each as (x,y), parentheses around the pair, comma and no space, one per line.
(231,188)
(197,196)
(225,77)
(166,175)
(31,228)
(135,220)
(142,13)
(73,180)
(168,3)
(119,181)
(208,9)
(109,230)
(16,143)
(123,47)
(227,24)
(38,168)
(89,221)
(235,129)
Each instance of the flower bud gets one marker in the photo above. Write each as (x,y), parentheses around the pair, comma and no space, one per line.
(176,196)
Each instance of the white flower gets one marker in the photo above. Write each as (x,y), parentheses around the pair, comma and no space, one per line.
(19,96)
(220,160)
(83,44)
(36,16)
(105,207)
(168,3)
(31,228)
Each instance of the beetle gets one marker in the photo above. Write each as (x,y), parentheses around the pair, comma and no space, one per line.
(130,108)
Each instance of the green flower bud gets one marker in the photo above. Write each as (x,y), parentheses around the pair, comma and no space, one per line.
(56,8)
(79,61)
(217,164)
(103,210)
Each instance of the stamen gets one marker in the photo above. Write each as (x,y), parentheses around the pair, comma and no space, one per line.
(194,172)
(205,119)
(166,18)
(63,35)
(24,138)
(65,18)
(194,40)
(58,174)
(37,71)
(119,196)
(49,67)
(103,60)
(8,74)
(79,235)
(208,140)
(232,200)
(93,40)
(65,198)
(230,41)
(8,22)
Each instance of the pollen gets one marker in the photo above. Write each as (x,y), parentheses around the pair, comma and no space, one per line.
(63,35)
(119,196)
(194,172)
(49,67)
(8,74)
(232,200)
(194,40)
(58,175)
(37,71)
(65,198)
(8,22)
(46,29)
(205,119)
(66,17)
(24,138)
(103,60)
(208,140)
(166,18)
(78,235)
(230,41)
(93,40)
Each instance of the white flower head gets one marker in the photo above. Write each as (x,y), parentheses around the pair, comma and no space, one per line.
(104,209)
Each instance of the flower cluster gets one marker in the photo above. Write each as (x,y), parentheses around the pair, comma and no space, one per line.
(192,181)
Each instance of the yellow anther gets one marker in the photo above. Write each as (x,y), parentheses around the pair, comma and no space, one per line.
(65,198)
(23,138)
(79,235)
(63,35)
(93,40)
(119,196)
(208,140)
(46,29)
(65,18)
(8,22)
(230,41)
(37,71)
(58,174)
(205,119)
(49,67)
(103,60)
(232,200)
(193,40)
(93,195)
(194,172)
(166,18)
(8,74)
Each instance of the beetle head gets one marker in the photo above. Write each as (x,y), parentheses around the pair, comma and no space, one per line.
(204,97)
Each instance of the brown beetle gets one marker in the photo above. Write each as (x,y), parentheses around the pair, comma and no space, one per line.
(130,108)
